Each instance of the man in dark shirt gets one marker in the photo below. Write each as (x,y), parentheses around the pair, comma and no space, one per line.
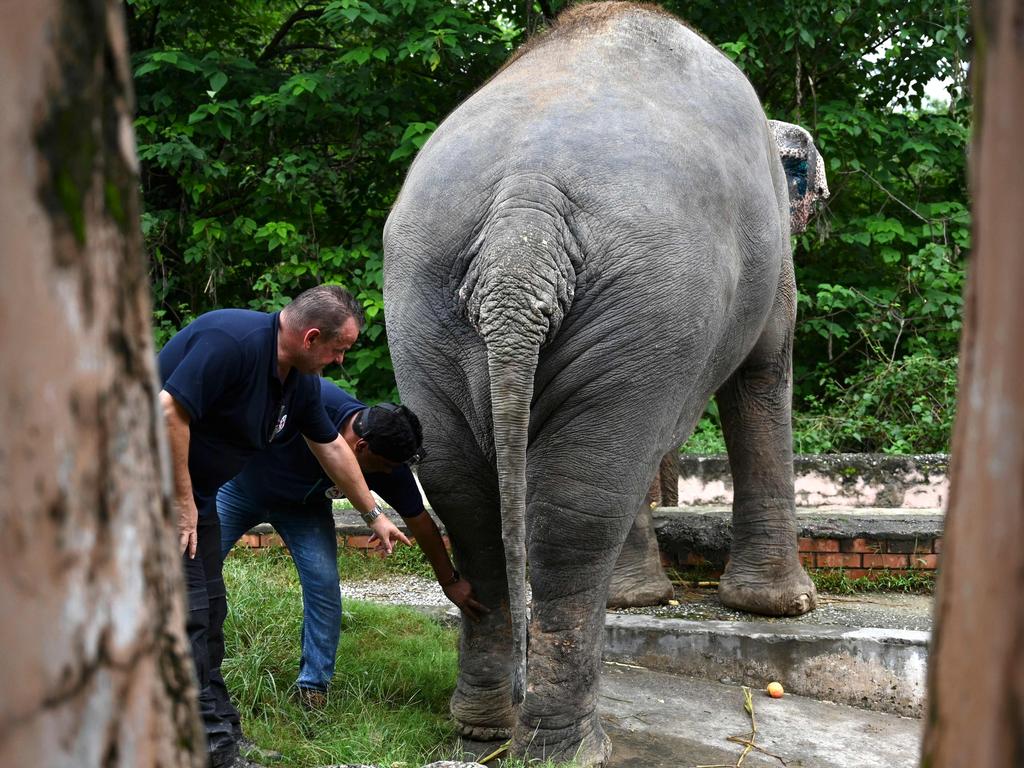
(286,487)
(233,382)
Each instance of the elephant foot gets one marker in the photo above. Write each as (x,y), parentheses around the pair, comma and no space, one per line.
(482,713)
(638,591)
(768,588)
(585,744)
(638,578)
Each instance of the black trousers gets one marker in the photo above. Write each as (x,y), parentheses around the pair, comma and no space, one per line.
(207,609)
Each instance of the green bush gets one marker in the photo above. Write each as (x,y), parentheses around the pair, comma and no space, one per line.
(898,406)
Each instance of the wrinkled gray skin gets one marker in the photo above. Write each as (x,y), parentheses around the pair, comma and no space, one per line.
(638,578)
(584,252)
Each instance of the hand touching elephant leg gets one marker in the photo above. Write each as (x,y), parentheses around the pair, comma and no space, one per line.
(482,701)
(764,574)
(462,490)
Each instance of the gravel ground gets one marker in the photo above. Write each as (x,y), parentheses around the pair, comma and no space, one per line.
(883,610)
(886,610)
(399,590)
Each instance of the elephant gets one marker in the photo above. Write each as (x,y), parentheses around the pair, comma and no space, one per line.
(583,253)
(638,578)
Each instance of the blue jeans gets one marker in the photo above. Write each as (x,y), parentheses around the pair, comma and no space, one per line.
(309,534)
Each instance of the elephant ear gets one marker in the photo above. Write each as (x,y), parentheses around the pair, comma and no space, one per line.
(805,171)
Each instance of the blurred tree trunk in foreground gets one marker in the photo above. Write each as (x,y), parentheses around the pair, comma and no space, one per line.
(95,664)
(976,674)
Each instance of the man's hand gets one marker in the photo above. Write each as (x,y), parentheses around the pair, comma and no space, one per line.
(178,435)
(385,533)
(188,518)
(461,593)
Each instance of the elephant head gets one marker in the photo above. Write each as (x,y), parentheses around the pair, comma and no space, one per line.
(805,172)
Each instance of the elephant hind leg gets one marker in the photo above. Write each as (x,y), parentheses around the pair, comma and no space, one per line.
(764,574)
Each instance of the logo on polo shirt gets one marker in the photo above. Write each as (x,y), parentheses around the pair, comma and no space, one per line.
(282,419)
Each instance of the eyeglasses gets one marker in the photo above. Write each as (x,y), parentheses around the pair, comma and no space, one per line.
(416,458)
(363,430)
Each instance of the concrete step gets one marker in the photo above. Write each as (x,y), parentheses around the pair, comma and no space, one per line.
(708,529)
(884,670)
(661,720)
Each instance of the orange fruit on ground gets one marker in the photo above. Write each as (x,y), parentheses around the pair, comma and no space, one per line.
(775,690)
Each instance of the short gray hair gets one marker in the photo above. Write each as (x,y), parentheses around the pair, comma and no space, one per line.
(326,307)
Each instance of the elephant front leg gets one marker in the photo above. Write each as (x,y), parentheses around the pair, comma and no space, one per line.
(763,574)
(638,578)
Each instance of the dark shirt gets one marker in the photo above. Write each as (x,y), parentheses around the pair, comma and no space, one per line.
(289,475)
(222,369)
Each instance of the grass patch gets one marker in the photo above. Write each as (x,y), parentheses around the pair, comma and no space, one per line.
(395,672)
(836,581)
(692,575)
(360,565)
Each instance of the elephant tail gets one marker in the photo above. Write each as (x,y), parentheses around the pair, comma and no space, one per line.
(515,294)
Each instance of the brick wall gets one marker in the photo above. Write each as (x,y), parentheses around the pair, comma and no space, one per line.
(863,557)
(859,557)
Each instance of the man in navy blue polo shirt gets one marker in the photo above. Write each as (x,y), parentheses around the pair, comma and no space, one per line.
(233,382)
(286,487)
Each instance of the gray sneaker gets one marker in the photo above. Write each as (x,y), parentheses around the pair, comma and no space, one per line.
(253,754)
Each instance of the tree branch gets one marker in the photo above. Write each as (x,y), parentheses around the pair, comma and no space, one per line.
(280,50)
(300,15)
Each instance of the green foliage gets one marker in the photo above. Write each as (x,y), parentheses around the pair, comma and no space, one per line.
(395,673)
(274,139)
(901,405)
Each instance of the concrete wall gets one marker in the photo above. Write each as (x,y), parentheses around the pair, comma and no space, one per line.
(848,479)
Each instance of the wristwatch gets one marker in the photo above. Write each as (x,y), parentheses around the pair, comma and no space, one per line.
(373,514)
(454,580)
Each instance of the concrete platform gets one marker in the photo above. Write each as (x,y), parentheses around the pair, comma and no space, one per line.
(659,720)
(880,668)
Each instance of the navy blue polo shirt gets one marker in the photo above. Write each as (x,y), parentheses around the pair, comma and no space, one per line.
(289,475)
(222,369)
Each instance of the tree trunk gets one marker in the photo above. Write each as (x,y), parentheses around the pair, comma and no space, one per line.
(976,674)
(96,670)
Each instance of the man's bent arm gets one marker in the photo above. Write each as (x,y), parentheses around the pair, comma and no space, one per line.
(456,588)
(178,434)
(341,466)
